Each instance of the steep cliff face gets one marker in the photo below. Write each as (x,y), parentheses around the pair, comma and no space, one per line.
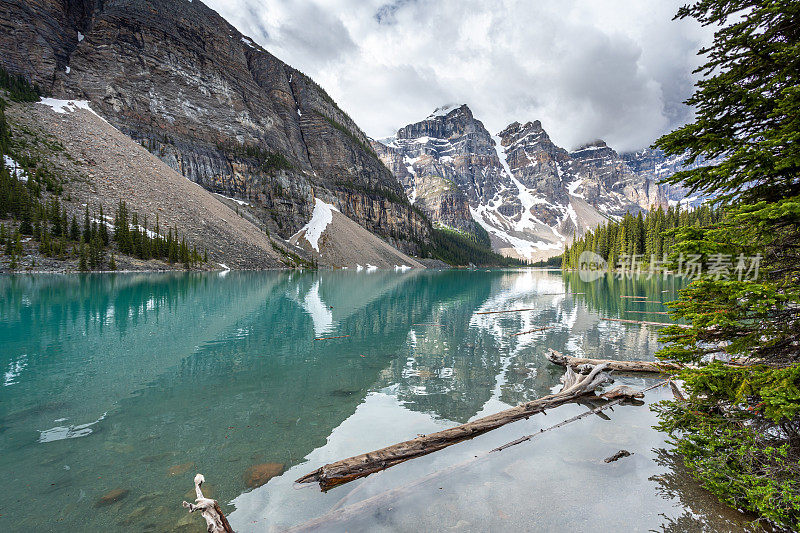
(445,163)
(654,164)
(608,170)
(528,193)
(212,104)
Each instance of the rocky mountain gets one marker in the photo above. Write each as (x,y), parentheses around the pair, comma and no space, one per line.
(650,162)
(212,104)
(529,194)
(98,166)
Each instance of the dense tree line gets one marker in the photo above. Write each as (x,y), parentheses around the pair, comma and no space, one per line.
(455,248)
(738,429)
(134,237)
(647,236)
(18,88)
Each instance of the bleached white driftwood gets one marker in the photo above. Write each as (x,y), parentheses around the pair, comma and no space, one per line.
(209,509)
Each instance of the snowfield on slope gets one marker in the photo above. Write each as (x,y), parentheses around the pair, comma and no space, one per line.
(322,216)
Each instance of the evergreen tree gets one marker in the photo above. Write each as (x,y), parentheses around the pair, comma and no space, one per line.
(87,226)
(83,260)
(103,228)
(74,230)
(18,244)
(739,428)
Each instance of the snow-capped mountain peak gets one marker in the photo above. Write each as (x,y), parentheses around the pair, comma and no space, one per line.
(529,194)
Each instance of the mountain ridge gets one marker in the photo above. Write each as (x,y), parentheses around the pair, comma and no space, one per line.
(213,105)
(531,195)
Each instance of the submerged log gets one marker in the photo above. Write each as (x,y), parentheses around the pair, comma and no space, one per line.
(505,311)
(329,338)
(209,509)
(342,514)
(530,331)
(333,474)
(620,366)
(624,321)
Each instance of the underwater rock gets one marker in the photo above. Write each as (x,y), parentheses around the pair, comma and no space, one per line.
(258,475)
(617,456)
(180,469)
(111,496)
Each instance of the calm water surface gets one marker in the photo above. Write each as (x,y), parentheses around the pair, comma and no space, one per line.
(134,382)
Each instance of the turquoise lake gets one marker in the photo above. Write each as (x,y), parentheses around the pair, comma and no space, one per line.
(136,382)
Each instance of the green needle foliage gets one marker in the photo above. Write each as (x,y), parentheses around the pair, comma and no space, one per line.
(649,236)
(739,428)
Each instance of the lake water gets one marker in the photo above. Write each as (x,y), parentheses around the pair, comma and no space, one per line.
(133,383)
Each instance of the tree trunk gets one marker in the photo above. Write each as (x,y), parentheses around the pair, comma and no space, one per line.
(643,322)
(620,366)
(359,466)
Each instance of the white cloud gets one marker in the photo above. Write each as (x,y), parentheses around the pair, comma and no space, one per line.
(616,70)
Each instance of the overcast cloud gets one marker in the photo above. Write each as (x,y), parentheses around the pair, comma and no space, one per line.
(616,70)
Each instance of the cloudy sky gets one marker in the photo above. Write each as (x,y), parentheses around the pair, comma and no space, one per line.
(616,70)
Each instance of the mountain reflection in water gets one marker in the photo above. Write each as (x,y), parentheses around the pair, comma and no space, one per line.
(135,382)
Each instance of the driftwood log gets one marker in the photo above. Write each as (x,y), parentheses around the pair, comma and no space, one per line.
(505,311)
(582,363)
(333,474)
(530,331)
(643,322)
(209,509)
(339,514)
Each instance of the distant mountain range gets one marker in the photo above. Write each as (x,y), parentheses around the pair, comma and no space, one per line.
(225,113)
(529,194)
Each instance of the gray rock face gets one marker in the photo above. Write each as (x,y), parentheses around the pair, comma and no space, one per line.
(609,171)
(212,104)
(655,164)
(528,193)
(445,163)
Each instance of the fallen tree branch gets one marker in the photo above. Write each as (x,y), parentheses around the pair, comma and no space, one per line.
(342,514)
(329,338)
(530,331)
(647,312)
(333,474)
(624,321)
(583,364)
(209,509)
(506,311)
(620,366)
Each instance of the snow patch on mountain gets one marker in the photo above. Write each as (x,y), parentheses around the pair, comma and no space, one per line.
(14,169)
(322,216)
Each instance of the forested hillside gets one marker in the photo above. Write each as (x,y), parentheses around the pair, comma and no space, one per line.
(649,236)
